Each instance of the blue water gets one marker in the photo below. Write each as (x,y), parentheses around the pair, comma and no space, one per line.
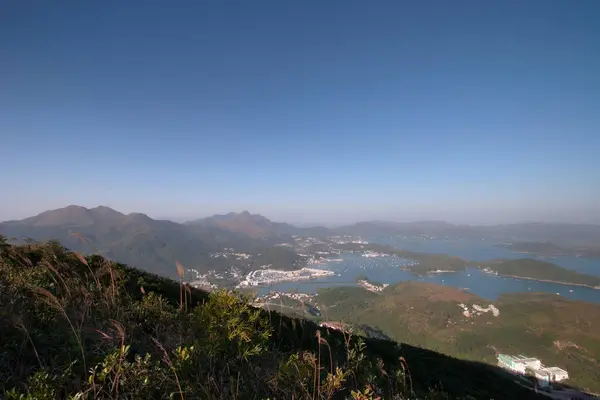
(388,270)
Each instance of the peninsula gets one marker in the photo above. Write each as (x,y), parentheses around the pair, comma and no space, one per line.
(542,271)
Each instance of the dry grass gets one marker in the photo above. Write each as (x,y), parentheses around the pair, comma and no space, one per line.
(55,303)
(167,359)
(180,273)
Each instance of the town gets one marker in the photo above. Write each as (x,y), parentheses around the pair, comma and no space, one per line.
(268,276)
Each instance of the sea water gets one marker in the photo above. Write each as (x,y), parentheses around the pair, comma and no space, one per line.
(389,270)
(485,250)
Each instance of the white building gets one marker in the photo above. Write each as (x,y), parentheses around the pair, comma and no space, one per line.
(522,365)
(519,363)
(557,374)
(544,378)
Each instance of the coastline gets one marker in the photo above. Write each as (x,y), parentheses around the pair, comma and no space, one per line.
(550,281)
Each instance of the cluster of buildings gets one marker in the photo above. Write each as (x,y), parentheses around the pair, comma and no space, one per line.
(478,310)
(523,365)
(370,287)
(269,276)
(346,239)
(202,281)
(303,297)
(489,271)
(230,253)
(370,254)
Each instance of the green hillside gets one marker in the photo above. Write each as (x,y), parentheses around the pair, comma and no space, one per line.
(84,328)
(560,332)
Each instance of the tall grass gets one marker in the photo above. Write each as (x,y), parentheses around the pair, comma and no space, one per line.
(170,364)
(54,303)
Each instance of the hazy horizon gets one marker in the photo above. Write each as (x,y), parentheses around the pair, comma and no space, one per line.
(312,112)
(328,222)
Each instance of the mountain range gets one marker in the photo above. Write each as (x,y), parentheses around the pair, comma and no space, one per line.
(156,244)
(134,238)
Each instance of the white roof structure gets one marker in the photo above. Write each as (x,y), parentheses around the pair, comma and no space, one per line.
(524,359)
(555,371)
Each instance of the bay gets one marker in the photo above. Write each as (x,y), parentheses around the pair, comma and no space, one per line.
(388,270)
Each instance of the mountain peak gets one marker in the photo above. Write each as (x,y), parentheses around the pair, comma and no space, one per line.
(71,215)
(254,225)
(103,209)
(106,212)
(138,216)
(70,207)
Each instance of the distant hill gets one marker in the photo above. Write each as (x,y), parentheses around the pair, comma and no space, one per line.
(253,225)
(541,248)
(257,226)
(563,234)
(138,239)
(548,249)
(384,228)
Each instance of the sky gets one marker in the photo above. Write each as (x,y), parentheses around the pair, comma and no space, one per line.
(304,111)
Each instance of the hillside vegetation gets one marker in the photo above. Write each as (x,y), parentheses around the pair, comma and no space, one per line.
(86,328)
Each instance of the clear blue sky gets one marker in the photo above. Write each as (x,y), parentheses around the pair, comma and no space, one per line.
(329,111)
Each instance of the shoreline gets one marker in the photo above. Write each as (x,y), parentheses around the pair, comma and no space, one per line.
(550,281)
